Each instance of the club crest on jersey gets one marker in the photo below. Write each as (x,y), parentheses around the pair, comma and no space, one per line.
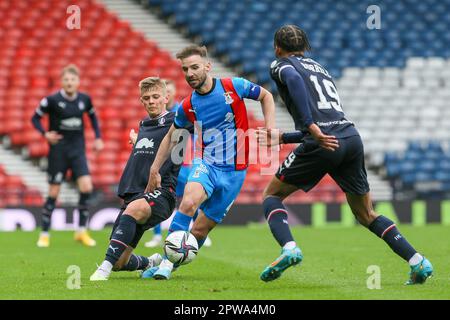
(81,105)
(61,104)
(161,121)
(228,97)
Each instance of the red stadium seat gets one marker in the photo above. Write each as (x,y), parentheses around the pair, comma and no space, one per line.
(38,149)
(113,59)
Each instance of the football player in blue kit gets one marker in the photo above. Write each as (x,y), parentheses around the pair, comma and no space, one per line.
(216,107)
(329,144)
(184,170)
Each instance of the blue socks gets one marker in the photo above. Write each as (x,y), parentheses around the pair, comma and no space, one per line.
(157,229)
(386,230)
(180,221)
(49,206)
(201,242)
(276,216)
(195,215)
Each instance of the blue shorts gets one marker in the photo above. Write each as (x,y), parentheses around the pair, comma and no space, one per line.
(222,188)
(182,180)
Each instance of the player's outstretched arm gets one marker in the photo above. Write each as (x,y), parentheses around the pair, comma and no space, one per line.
(274,137)
(166,146)
(268,108)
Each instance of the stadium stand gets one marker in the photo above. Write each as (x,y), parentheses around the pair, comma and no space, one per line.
(337,43)
(394,82)
(112,57)
(14,192)
(381,74)
(421,171)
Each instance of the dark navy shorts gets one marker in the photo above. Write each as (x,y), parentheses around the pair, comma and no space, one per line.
(63,158)
(306,165)
(162,203)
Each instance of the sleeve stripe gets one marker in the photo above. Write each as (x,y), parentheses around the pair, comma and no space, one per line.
(283,67)
(39,111)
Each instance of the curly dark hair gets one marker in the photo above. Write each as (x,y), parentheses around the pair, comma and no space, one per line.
(291,39)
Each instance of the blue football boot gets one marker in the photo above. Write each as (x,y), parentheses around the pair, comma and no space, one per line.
(288,258)
(165,269)
(420,272)
(148,274)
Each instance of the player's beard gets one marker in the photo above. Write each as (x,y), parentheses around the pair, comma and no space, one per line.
(201,82)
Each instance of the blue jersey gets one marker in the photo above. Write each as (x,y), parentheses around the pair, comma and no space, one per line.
(221,122)
(310,96)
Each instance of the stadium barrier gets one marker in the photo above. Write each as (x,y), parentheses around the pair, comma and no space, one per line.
(317,214)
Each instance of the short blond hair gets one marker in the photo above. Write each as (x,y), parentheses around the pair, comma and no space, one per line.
(71,68)
(150,83)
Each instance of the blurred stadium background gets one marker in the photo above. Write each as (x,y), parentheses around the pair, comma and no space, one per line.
(394,83)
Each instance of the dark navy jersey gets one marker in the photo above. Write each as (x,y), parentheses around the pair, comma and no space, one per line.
(135,175)
(310,95)
(66,115)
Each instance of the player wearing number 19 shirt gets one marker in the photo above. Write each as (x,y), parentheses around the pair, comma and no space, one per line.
(329,144)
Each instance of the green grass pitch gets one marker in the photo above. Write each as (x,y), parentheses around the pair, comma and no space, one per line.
(334,267)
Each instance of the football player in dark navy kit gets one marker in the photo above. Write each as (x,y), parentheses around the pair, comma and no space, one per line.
(329,144)
(171,107)
(67,148)
(142,211)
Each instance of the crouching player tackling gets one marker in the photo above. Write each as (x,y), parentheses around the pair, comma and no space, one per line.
(330,144)
(142,211)
(217,109)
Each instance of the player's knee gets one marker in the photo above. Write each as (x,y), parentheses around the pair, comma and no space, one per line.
(188,206)
(138,209)
(53,191)
(270,192)
(85,184)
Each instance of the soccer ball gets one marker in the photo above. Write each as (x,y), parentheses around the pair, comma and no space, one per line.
(180,247)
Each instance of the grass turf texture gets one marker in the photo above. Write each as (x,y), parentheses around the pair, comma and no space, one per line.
(334,267)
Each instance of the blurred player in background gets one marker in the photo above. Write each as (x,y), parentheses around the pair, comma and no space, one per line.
(142,211)
(184,171)
(216,107)
(329,144)
(171,94)
(67,149)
